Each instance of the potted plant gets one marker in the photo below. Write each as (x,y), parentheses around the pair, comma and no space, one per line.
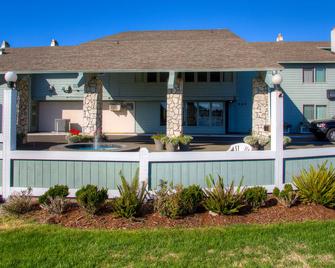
(286,141)
(159,141)
(171,143)
(184,142)
(252,141)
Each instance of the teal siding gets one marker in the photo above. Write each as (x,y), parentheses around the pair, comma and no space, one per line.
(45,173)
(293,167)
(240,111)
(253,172)
(297,93)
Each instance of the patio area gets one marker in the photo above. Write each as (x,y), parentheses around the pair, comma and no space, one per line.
(50,141)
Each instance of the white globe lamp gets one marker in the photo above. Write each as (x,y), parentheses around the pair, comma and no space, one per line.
(11,78)
(277,79)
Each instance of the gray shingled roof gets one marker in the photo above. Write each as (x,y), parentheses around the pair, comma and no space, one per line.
(161,50)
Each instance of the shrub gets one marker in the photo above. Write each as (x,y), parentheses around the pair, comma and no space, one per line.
(19,203)
(91,198)
(287,197)
(176,201)
(317,185)
(192,198)
(287,140)
(256,141)
(79,138)
(60,191)
(132,197)
(55,205)
(171,140)
(255,196)
(223,200)
(159,137)
(251,140)
(185,139)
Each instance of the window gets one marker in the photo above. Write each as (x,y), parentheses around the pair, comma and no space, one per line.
(163,114)
(214,77)
(189,77)
(314,74)
(228,77)
(202,77)
(308,75)
(320,74)
(308,111)
(163,77)
(151,77)
(217,114)
(204,108)
(191,113)
(321,112)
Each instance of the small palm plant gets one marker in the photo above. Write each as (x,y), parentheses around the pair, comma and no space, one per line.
(221,199)
(132,197)
(317,185)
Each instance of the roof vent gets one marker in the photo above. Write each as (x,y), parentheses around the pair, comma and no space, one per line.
(332,40)
(54,43)
(4,44)
(280,38)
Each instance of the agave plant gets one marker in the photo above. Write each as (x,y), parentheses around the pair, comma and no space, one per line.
(132,197)
(317,185)
(221,199)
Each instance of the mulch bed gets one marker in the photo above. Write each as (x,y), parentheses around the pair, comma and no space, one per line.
(273,213)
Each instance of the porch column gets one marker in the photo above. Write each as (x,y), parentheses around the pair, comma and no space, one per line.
(174,106)
(260,108)
(92,107)
(22,105)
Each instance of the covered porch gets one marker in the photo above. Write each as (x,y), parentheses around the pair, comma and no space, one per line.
(195,103)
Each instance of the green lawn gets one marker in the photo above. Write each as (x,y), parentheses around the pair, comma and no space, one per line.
(286,245)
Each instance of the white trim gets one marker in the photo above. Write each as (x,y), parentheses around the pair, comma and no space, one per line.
(209,156)
(1,137)
(311,152)
(41,191)
(79,156)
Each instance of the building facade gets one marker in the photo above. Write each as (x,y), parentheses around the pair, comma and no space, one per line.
(140,82)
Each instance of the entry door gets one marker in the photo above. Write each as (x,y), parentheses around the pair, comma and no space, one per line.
(119,122)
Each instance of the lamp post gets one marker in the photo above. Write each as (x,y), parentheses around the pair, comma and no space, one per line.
(8,129)
(277,124)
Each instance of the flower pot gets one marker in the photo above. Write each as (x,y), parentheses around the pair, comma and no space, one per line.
(170,147)
(159,145)
(184,147)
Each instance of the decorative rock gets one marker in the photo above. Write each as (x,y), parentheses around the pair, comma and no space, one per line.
(92,107)
(260,107)
(174,112)
(22,105)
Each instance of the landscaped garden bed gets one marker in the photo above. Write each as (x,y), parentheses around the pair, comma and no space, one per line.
(178,206)
(273,213)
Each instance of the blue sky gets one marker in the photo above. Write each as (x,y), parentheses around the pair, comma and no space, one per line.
(34,23)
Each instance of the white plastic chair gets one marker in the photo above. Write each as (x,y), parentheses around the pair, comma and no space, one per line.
(240,147)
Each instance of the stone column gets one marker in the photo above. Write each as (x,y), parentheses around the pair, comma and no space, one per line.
(22,105)
(92,107)
(260,108)
(174,109)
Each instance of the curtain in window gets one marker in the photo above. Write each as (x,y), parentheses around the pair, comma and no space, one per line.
(308,75)
(321,112)
(308,111)
(320,74)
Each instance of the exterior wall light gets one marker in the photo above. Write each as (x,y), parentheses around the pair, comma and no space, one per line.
(11,78)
